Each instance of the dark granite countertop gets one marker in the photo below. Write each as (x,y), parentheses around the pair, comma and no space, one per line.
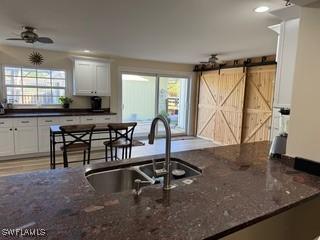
(238,187)
(19,113)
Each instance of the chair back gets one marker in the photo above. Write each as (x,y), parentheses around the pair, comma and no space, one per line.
(77,134)
(119,131)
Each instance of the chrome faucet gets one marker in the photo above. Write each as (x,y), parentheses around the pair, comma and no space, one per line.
(165,171)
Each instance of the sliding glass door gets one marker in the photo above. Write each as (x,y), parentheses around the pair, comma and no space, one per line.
(139,101)
(173,100)
(144,96)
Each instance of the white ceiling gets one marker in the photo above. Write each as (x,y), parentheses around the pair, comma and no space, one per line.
(184,31)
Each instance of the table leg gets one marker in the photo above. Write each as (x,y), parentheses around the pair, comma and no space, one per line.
(54,151)
(51,149)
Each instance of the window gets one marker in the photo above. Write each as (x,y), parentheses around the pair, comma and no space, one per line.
(34,86)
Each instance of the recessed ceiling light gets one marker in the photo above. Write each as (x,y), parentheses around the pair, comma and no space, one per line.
(86,51)
(261,9)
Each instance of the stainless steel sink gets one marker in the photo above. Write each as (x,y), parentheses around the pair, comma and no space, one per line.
(117,180)
(190,171)
(122,179)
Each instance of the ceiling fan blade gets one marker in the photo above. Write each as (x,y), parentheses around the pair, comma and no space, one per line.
(18,39)
(44,40)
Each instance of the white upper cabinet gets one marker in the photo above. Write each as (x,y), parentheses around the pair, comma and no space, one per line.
(91,78)
(286,57)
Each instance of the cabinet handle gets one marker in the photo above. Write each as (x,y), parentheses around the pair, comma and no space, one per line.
(24,121)
(69,120)
(1,122)
(48,121)
(16,129)
(89,119)
(10,129)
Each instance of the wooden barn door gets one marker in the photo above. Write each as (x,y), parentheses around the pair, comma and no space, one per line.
(258,103)
(228,122)
(220,110)
(207,104)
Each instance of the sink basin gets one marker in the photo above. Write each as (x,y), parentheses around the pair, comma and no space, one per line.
(190,171)
(122,179)
(117,180)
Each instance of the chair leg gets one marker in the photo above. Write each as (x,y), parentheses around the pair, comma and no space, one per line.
(130,148)
(106,153)
(116,155)
(123,153)
(84,157)
(126,152)
(65,159)
(89,155)
(111,151)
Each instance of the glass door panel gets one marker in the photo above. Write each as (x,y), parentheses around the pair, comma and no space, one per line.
(139,101)
(173,102)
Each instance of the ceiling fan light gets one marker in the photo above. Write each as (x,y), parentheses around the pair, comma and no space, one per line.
(262,9)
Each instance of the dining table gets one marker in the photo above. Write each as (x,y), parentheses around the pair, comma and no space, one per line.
(100,132)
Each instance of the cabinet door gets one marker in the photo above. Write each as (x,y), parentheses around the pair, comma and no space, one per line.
(44,138)
(103,85)
(84,81)
(6,142)
(288,43)
(26,140)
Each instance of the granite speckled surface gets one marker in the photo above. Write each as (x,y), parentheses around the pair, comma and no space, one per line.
(238,187)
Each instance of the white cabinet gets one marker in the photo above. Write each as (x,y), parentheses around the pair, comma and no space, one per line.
(69,120)
(44,132)
(26,140)
(32,135)
(91,78)
(25,135)
(18,136)
(286,57)
(6,137)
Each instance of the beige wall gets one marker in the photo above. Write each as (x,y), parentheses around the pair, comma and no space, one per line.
(62,60)
(304,129)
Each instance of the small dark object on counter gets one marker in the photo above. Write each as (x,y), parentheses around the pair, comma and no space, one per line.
(284,111)
(2,110)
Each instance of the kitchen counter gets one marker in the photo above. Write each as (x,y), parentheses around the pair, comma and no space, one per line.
(21,113)
(238,187)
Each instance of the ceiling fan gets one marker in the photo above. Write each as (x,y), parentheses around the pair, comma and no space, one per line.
(29,36)
(213,59)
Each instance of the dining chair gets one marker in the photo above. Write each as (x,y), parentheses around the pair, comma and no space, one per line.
(76,138)
(120,136)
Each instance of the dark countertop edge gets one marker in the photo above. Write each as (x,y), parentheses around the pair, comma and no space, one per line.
(260,218)
(55,114)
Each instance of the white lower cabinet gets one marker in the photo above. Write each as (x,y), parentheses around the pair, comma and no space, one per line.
(26,140)
(6,141)
(32,135)
(18,136)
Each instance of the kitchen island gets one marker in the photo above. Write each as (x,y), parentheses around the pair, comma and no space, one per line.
(238,187)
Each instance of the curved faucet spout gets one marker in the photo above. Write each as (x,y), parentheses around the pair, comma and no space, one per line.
(165,172)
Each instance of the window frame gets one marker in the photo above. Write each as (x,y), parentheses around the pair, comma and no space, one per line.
(17,105)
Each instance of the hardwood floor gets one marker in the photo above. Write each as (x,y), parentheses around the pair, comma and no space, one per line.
(12,167)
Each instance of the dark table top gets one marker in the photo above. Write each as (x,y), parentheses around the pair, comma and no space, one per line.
(99,127)
(239,186)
